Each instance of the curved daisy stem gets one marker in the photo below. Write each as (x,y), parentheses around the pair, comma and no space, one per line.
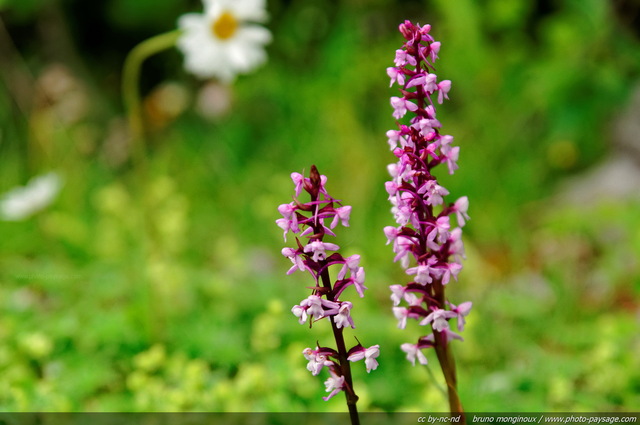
(131,90)
(133,106)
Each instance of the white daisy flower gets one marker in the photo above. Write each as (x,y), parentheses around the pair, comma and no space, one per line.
(224,41)
(21,202)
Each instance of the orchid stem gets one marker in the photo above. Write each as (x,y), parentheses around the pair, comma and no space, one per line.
(345,367)
(446,360)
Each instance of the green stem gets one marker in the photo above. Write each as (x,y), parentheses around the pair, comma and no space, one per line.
(133,105)
(130,86)
(435,382)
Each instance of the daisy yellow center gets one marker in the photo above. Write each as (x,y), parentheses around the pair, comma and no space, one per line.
(225,26)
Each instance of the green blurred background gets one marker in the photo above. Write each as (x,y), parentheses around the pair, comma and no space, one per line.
(165,290)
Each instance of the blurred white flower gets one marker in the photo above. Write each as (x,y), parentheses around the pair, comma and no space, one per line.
(214,100)
(23,201)
(224,41)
